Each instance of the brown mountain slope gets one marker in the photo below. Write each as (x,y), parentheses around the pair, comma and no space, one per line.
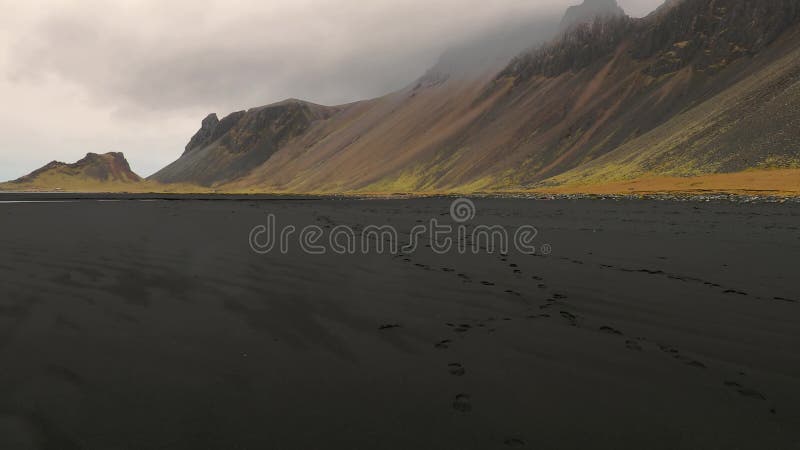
(346,139)
(755,123)
(694,88)
(107,172)
(372,141)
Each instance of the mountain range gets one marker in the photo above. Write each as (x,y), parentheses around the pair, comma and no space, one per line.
(699,88)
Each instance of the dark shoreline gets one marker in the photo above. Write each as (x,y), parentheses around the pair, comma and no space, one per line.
(709,197)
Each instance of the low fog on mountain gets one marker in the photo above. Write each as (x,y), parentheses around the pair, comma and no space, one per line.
(100,80)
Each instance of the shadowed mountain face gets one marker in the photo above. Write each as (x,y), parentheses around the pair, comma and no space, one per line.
(93,170)
(711,35)
(590,10)
(697,87)
(223,150)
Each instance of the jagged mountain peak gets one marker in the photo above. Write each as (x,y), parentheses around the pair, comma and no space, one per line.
(711,35)
(224,149)
(705,35)
(590,10)
(204,134)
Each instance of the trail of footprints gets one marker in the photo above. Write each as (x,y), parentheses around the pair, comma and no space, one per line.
(684,278)
(462,402)
(571,319)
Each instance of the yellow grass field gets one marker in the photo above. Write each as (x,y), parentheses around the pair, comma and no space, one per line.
(776,182)
(782,182)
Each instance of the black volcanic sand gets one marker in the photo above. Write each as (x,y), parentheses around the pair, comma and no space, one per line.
(151,325)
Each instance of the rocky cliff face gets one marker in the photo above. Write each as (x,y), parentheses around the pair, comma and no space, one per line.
(204,135)
(590,10)
(584,44)
(108,167)
(707,35)
(710,35)
(224,149)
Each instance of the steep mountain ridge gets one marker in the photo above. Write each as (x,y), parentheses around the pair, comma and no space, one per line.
(590,10)
(752,124)
(711,34)
(608,92)
(594,98)
(223,150)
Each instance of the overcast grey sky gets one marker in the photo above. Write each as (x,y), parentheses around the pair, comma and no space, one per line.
(137,76)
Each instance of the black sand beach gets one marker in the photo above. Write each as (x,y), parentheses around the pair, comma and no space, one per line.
(153,325)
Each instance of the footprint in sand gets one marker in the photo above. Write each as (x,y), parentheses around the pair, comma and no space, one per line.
(538,316)
(456,369)
(667,349)
(751,393)
(572,318)
(695,363)
(462,328)
(734,291)
(443,344)
(462,403)
(747,392)
(610,330)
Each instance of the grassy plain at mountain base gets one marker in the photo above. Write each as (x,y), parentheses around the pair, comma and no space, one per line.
(782,182)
